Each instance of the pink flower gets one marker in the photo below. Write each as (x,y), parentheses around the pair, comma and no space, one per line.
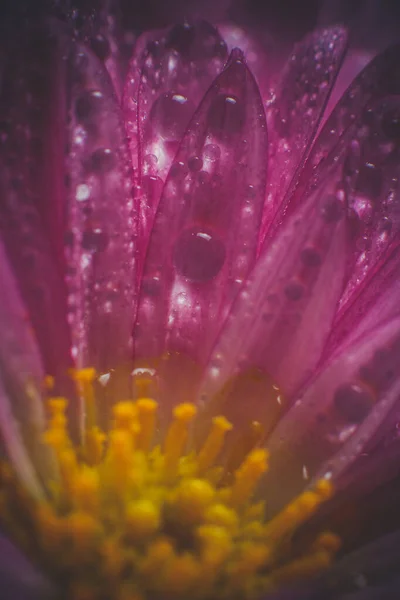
(190,224)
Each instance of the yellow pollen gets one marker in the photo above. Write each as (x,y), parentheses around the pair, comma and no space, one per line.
(130,519)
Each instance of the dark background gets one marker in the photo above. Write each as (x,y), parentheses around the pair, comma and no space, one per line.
(375,23)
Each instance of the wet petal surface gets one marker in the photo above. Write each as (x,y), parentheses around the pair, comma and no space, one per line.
(294,112)
(282,317)
(203,243)
(21,379)
(101,218)
(32,142)
(168,75)
(333,420)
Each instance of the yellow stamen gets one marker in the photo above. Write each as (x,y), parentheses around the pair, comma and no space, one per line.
(147,418)
(84,379)
(213,444)
(248,476)
(127,520)
(176,438)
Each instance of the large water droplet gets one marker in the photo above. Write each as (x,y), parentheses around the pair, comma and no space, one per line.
(94,240)
(390,124)
(170,114)
(353,401)
(88,104)
(199,255)
(332,209)
(102,160)
(226,115)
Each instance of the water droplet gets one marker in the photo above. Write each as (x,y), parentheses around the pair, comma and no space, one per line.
(102,160)
(88,104)
(332,209)
(94,240)
(353,401)
(170,114)
(211,152)
(100,46)
(82,192)
(226,115)
(199,255)
(294,290)
(195,163)
(390,124)
(311,257)
(369,181)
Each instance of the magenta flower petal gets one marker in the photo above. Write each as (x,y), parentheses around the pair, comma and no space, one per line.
(373,303)
(101,228)
(283,315)
(330,424)
(21,375)
(366,115)
(204,238)
(295,110)
(168,75)
(31,186)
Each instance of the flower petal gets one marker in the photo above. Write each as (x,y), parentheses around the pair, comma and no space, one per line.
(368,111)
(203,243)
(101,218)
(370,573)
(21,377)
(31,176)
(332,421)
(283,315)
(295,110)
(168,75)
(18,579)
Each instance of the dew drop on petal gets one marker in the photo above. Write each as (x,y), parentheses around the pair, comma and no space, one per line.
(100,46)
(211,152)
(82,192)
(226,115)
(94,240)
(353,401)
(311,257)
(88,104)
(170,115)
(390,124)
(199,255)
(332,209)
(195,163)
(102,160)
(294,290)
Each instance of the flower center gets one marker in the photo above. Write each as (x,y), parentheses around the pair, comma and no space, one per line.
(130,519)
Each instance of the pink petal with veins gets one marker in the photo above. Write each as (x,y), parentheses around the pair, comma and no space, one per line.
(168,75)
(204,238)
(22,419)
(367,116)
(294,110)
(331,422)
(32,187)
(101,218)
(283,314)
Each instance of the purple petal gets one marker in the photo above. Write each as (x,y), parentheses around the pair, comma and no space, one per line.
(31,183)
(21,377)
(295,110)
(330,424)
(18,579)
(369,573)
(203,243)
(101,228)
(283,315)
(376,301)
(168,75)
(366,117)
